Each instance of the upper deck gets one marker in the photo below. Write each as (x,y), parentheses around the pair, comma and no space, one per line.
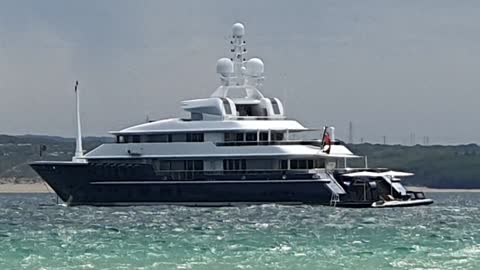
(175,125)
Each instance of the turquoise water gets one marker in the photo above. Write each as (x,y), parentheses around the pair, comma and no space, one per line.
(35,234)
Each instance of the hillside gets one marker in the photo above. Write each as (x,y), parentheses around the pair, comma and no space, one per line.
(17,151)
(434,166)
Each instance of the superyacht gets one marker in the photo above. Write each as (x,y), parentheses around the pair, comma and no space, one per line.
(235,147)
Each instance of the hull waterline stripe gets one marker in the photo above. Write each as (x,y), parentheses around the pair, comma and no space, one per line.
(205,182)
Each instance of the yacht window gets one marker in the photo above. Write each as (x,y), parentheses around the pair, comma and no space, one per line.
(276,109)
(194,165)
(319,163)
(226,105)
(251,137)
(234,164)
(135,138)
(283,164)
(260,164)
(198,165)
(161,165)
(239,137)
(230,137)
(179,137)
(301,164)
(158,138)
(263,136)
(195,137)
(177,165)
(244,110)
(189,165)
(164,165)
(309,164)
(277,136)
(196,116)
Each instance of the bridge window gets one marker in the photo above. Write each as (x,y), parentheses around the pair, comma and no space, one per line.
(276,109)
(226,105)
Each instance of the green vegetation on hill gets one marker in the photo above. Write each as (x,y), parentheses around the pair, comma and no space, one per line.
(434,166)
(17,151)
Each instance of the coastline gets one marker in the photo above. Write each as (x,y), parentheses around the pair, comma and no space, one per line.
(25,188)
(44,188)
(442,190)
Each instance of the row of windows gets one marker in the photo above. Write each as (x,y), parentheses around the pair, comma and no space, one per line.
(253,136)
(114,167)
(178,165)
(306,164)
(265,164)
(199,137)
(157,138)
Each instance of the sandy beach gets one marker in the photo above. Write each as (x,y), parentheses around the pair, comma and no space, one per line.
(440,190)
(25,188)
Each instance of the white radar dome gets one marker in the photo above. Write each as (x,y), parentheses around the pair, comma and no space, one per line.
(224,66)
(238,30)
(255,67)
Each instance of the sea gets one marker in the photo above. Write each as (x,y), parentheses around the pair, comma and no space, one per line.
(37,233)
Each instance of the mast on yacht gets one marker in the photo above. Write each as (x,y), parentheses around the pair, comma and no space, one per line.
(78,157)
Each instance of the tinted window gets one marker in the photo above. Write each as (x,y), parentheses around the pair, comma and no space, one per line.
(179,137)
(177,165)
(276,109)
(226,105)
(250,137)
(195,137)
(263,136)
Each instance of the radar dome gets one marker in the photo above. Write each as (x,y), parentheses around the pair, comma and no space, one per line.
(238,30)
(224,66)
(255,67)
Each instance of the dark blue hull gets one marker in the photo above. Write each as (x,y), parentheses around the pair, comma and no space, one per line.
(92,184)
(80,184)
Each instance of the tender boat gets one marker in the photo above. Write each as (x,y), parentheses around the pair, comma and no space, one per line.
(236,147)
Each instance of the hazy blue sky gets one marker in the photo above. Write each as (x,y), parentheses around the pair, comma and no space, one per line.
(391,67)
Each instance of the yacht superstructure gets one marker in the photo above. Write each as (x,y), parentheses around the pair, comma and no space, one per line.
(237,147)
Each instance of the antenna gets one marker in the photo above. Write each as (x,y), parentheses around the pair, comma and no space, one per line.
(78,149)
(238,50)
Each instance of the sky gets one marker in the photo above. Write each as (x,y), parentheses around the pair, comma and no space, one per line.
(392,68)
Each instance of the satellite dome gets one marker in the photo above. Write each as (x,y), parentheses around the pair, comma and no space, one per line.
(224,66)
(238,30)
(255,67)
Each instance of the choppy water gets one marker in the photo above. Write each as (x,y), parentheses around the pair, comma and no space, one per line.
(33,235)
